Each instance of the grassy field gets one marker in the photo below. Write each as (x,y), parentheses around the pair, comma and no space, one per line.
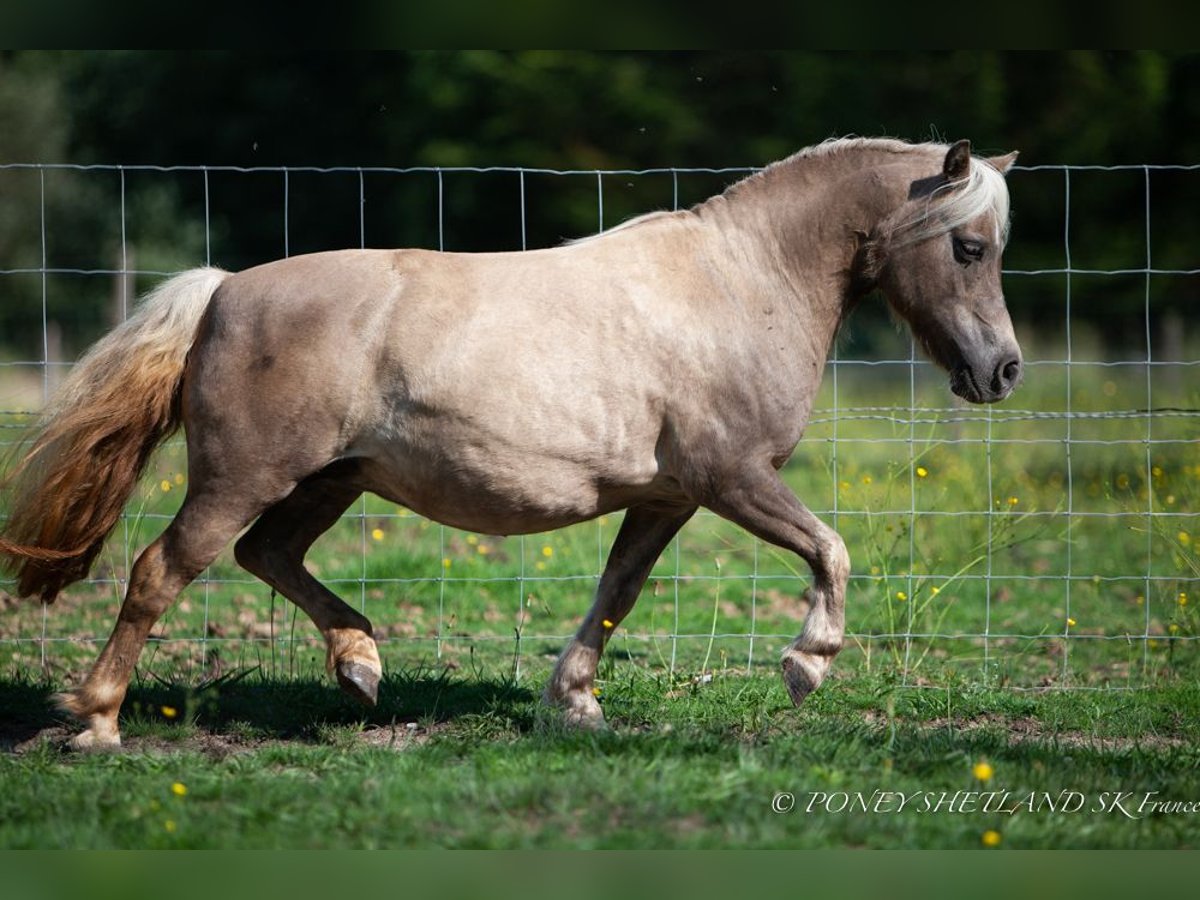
(458,760)
(1023,596)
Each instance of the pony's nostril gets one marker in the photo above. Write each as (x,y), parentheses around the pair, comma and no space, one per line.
(1007,374)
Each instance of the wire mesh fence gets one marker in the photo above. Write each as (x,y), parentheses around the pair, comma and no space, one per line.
(1045,542)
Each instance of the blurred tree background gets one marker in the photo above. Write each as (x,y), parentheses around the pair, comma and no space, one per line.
(558,110)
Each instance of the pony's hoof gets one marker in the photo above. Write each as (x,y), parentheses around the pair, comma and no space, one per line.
(585,721)
(92,741)
(359,681)
(579,711)
(102,732)
(800,676)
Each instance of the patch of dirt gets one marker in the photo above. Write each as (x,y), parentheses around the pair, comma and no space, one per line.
(214,746)
(400,736)
(217,746)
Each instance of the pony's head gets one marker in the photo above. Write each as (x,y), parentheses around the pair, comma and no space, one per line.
(937,261)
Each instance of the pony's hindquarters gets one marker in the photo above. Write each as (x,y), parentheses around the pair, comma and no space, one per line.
(119,402)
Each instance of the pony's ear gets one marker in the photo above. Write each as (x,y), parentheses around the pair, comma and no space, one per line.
(958,161)
(1003,163)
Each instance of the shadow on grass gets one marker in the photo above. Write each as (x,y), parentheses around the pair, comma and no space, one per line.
(863,731)
(255,706)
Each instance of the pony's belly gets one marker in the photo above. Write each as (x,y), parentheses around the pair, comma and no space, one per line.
(507,496)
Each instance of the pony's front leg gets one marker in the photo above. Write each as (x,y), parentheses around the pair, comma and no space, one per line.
(644,535)
(762,504)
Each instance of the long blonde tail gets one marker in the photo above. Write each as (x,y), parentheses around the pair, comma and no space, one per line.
(66,493)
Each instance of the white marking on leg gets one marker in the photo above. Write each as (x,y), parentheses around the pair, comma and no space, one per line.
(807,661)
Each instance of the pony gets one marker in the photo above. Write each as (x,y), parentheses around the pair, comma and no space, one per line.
(667,364)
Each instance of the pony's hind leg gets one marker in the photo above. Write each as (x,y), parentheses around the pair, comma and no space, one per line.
(203,526)
(644,535)
(274,551)
(762,504)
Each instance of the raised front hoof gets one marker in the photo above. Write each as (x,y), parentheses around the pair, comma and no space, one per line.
(359,681)
(802,674)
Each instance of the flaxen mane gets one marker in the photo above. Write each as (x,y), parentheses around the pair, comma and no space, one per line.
(948,204)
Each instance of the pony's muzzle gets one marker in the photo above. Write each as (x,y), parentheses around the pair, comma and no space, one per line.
(987,384)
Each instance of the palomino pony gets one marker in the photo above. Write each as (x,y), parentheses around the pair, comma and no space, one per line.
(667,364)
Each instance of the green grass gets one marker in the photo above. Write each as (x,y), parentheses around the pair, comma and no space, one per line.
(1007,604)
(285,763)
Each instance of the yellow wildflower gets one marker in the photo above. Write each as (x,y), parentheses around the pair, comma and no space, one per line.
(991,838)
(165,485)
(983,771)
(170,712)
(607,623)
(922,471)
(1070,622)
(377,534)
(179,789)
(900,595)
(547,551)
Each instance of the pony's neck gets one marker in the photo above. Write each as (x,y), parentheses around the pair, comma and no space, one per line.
(802,223)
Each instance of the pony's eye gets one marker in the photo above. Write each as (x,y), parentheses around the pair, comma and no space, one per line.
(967,252)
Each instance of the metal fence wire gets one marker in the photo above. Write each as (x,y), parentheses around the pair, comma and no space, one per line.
(1047,542)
